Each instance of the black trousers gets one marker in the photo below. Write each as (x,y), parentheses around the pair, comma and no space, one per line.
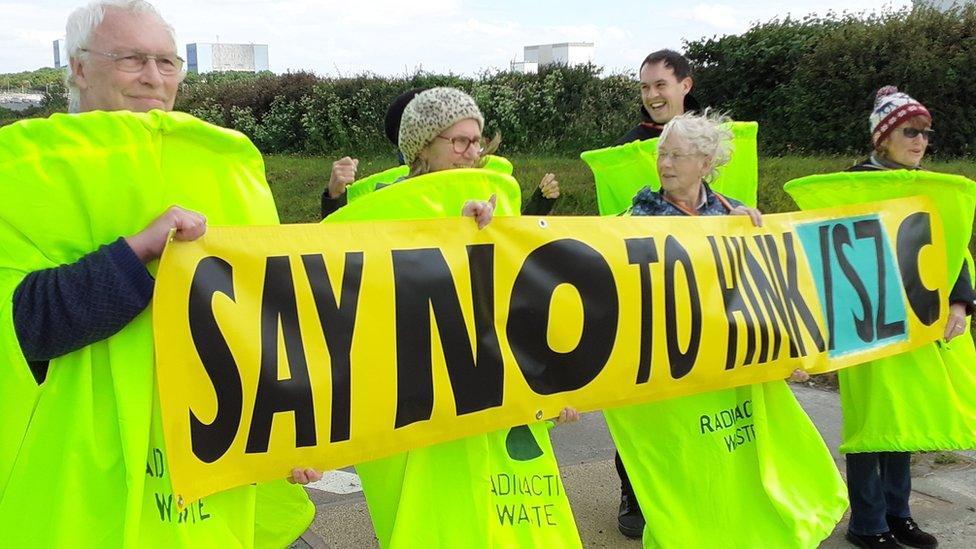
(625,487)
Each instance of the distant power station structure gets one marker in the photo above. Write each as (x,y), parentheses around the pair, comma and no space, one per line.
(60,54)
(209,57)
(569,54)
(942,5)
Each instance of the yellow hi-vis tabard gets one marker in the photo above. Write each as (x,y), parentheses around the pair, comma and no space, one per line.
(495,490)
(741,467)
(82,459)
(366,185)
(923,399)
(623,170)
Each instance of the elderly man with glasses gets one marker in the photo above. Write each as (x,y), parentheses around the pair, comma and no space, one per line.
(123,58)
(127,61)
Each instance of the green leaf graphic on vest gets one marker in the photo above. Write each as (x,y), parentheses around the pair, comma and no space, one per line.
(521,445)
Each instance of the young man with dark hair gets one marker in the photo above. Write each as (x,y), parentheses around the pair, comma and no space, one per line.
(665,78)
(665,83)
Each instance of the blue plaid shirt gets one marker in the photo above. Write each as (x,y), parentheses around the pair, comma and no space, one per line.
(648,202)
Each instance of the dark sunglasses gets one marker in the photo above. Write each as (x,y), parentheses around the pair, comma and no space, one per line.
(912,133)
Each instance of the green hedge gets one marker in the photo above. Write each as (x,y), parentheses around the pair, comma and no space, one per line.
(558,110)
(34,80)
(809,82)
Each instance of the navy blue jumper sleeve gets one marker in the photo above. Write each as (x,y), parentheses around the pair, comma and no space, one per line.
(65,308)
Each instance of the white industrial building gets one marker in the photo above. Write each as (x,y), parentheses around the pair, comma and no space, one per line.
(942,5)
(569,54)
(204,57)
(60,54)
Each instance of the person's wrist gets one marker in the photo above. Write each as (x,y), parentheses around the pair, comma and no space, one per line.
(139,248)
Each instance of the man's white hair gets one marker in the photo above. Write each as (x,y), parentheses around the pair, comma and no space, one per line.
(82,24)
(708,133)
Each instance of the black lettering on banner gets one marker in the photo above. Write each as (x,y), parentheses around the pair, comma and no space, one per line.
(423,281)
(753,356)
(863,326)
(210,441)
(826,274)
(774,284)
(564,261)
(772,301)
(789,289)
(914,233)
(279,308)
(338,319)
(732,297)
(641,252)
(871,228)
(681,361)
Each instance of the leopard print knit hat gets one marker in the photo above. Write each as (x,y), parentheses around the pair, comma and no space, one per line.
(430,113)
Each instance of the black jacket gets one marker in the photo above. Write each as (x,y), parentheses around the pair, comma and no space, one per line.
(648,129)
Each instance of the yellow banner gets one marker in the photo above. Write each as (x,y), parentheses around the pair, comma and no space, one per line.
(332,344)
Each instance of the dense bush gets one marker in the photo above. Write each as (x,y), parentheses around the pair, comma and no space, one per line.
(560,109)
(811,82)
(34,80)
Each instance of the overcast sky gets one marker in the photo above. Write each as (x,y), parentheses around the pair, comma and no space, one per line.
(396,36)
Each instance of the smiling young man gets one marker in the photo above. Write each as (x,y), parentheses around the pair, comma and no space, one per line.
(666,82)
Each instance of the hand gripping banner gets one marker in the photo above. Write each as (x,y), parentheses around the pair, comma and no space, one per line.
(339,343)
(924,399)
(621,171)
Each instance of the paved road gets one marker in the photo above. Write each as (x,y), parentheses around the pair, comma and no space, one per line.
(943,499)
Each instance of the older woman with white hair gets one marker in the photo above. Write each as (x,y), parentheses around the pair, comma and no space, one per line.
(699,479)
(691,149)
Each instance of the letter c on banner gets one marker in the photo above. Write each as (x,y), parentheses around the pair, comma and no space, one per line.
(558,262)
(914,233)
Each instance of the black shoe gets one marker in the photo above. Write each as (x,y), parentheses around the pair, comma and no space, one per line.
(907,532)
(873,541)
(630,521)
